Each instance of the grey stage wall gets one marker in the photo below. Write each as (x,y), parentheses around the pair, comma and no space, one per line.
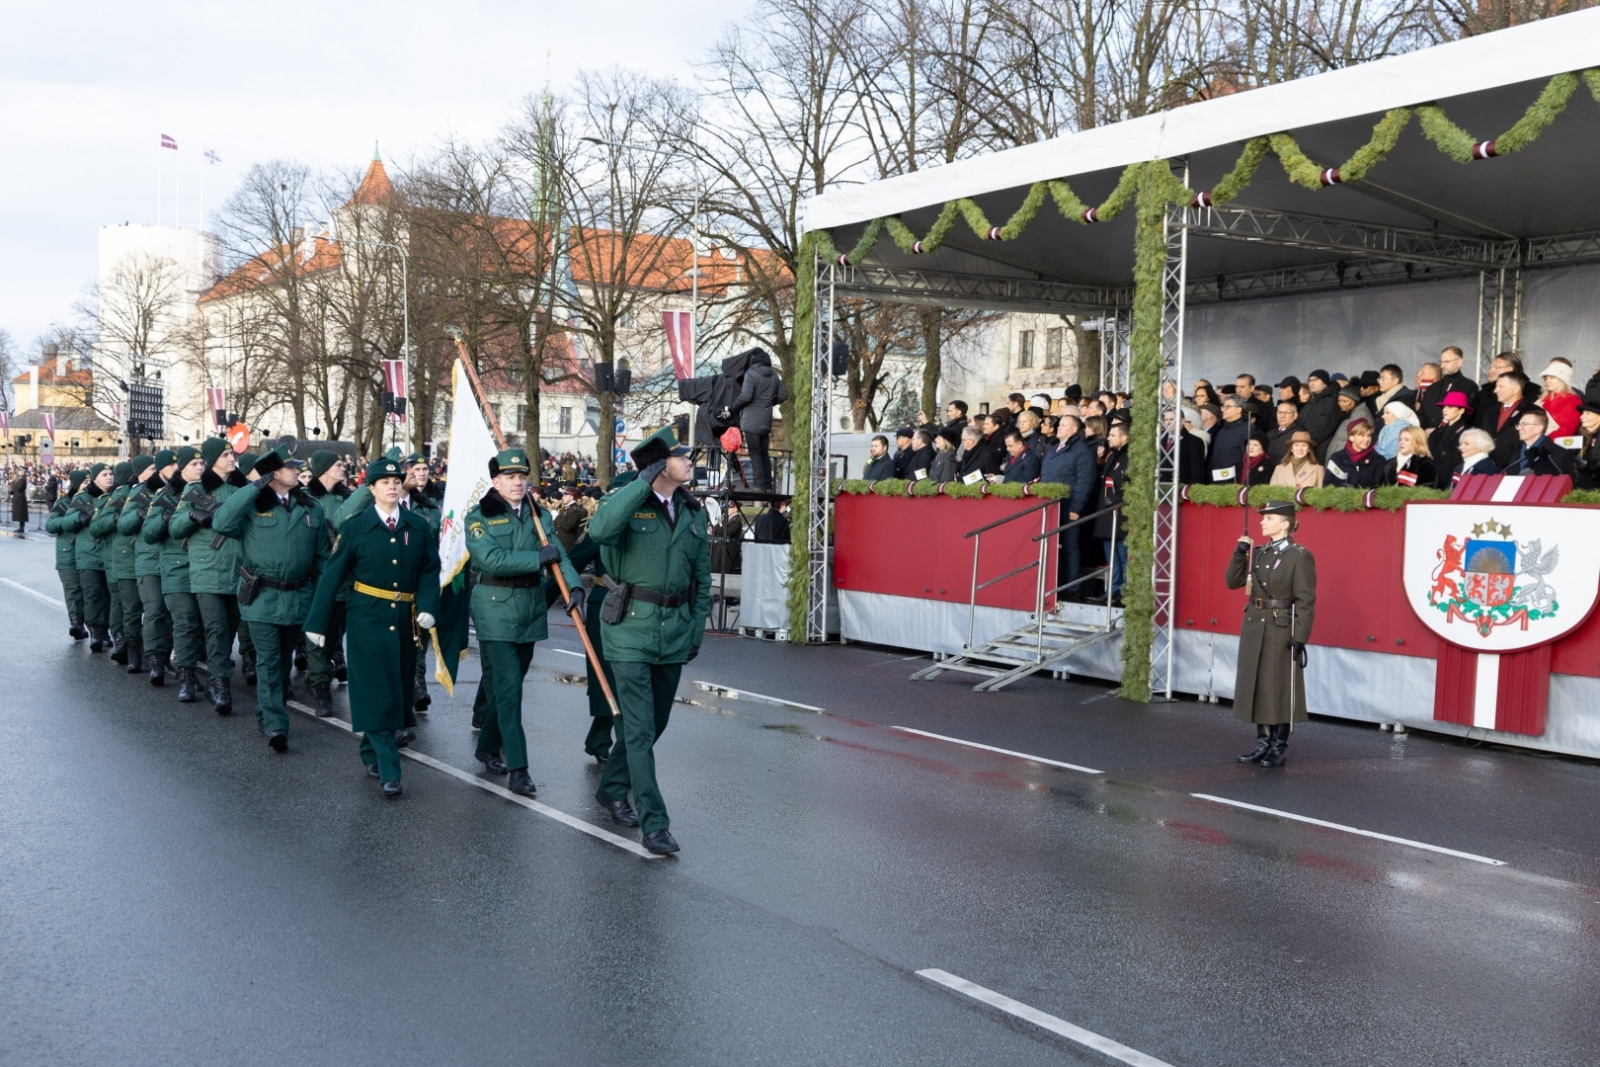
(1403,324)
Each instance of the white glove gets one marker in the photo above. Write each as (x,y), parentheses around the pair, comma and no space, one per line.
(424,620)
(316,639)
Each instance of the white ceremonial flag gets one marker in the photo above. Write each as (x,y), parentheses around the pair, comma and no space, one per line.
(471,449)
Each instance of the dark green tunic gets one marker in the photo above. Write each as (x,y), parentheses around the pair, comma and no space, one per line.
(1283,572)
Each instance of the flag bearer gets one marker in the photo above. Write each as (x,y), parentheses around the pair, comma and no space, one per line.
(62,523)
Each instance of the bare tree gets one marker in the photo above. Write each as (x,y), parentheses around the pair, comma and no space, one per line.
(134,309)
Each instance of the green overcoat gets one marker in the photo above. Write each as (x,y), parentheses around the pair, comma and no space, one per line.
(64,525)
(104,531)
(502,543)
(639,544)
(213,557)
(130,524)
(1270,688)
(174,550)
(285,543)
(87,547)
(380,635)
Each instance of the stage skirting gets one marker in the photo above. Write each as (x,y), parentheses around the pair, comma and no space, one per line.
(1371,660)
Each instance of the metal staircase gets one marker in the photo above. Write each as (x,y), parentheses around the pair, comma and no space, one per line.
(1055,633)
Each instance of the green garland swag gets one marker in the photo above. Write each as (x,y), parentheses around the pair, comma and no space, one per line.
(1151,187)
(1330,498)
(896,487)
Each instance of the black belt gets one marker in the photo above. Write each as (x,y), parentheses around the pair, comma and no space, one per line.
(650,596)
(272,583)
(1262,602)
(521,581)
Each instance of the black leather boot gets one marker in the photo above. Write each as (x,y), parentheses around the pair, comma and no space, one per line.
(188,685)
(421,701)
(322,697)
(77,629)
(119,649)
(157,666)
(1277,755)
(1263,743)
(99,638)
(300,661)
(221,695)
(247,668)
(336,664)
(135,656)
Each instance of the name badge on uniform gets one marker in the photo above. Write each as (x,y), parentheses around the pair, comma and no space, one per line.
(1224,474)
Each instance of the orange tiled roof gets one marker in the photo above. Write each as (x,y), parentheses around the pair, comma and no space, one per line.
(375,187)
(49,377)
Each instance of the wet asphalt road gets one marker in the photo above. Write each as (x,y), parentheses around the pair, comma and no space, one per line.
(171,892)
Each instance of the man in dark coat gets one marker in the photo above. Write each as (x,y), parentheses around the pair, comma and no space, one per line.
(19,504)
(761,391)
(1228,441)
(955,414)
(977,456)
(920,461)
(393,558)
(1504,417)
(881,465)
(1023,465)
(1286,425)
(1071,463)
(1539,454)
(1321,415)
(1280,583)
(1113,484)
(1430,402)
(904,450)
(1486,405)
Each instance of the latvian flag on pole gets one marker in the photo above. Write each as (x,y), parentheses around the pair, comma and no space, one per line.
(49,424)
(680,341)
(219,410)
(168,142)
(394,382)
(5,422)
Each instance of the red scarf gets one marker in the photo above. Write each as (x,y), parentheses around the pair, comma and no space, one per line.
(1357,457)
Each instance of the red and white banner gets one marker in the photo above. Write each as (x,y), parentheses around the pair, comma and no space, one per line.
(219,409)
(5,422)
(394,381)
(168,142)
(680,341)
(49,424)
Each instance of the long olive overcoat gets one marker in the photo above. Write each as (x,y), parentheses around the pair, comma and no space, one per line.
(1283,571)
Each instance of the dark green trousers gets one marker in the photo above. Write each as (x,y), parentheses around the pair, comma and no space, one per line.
(71,593)
(319,670)
(598,743)
(188,636)
(505,665)
(132,609)
(114,612)
(378,749)
(274,663)
(219,615)
(645,692)
(96,597)
(157,620)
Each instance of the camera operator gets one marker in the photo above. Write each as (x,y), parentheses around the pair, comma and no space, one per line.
(761,392)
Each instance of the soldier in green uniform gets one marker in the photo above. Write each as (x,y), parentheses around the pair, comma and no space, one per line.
(62,524)
(414,499)
(509,609)
(155,623)
(104,531)
(324,665)
(182,608)
(652,538)
(585,556)
(282,549)
(392,560)
(86,552)
(214,565)
(1280,583)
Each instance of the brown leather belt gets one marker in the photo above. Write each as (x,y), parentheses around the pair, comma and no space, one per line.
(1264,603)
(521,581)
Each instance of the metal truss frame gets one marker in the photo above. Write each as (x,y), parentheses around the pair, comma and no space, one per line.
(1393,243)
(818,500)
(904,285)
(1164,558)
(1115,352)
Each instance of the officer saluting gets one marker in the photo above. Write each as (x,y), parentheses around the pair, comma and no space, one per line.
(393,558)
(1280,581)
(62,522)
(652,538)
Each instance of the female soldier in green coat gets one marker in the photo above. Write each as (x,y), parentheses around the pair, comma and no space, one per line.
(104,531)
(182,608)
(393,559)
(61,524)
(214,566)
(86,552)
(155,624)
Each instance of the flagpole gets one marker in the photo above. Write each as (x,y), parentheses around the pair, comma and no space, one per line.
(561,579)
(158,186)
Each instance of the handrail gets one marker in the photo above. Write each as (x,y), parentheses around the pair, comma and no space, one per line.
(1079,521)
(1008,518)
(1010,574)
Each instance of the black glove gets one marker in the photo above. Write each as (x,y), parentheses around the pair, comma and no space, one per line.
(549,556)
(694,650)
(652,472)
(578,602)
(202,516)
(1297,651)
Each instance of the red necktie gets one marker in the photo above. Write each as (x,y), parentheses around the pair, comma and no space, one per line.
(390,521)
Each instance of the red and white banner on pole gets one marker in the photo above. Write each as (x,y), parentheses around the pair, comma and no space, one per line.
(394,382)
(219,410)
(5,422)
(680,341)
(49,424)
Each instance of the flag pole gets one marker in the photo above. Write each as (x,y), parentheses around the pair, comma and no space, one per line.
(561,580)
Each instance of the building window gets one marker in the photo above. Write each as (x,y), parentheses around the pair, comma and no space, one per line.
(514,373)
(522,417)
(1052,347)
(1024,349)
(564,422)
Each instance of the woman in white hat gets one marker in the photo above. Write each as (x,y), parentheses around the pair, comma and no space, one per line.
(1396,417)
(1559,401)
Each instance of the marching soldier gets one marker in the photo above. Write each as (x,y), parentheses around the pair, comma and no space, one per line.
(104,531)
(652,538)
(214,566)
(392,558)
(324,665)
(62,524)
(86,552)
(416,499)
(155,622)
(183,610)
(585,556)
(1280,583)
(509,609)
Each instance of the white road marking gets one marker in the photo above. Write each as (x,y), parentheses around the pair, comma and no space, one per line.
(1044,1021)
(1001,751)
(498,790)
(745,694)
(1351,829)
(34,593)
(569,652)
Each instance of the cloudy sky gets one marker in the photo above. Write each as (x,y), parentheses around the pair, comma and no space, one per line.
(88,88)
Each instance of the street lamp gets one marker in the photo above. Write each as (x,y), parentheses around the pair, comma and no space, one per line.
(405,295)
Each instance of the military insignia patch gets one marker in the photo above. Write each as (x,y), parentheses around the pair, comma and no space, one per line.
(644,514)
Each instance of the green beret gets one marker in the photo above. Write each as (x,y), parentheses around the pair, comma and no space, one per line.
(122,473)
(141,464)
(76,479)
(247,462)
(164,458)
(511,461)
(211,450)
(383,467)
(186,456)
(322,460)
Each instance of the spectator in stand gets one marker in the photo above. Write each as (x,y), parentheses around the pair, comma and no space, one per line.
(1391,389)
(1430,407)
(1320,415)
(1503,420)
(1444,443)
(1357,465)
(1559,401)
(1487,403)
(1195,423)
(903,450)
(1191,453)
(1204,394)
(1299,468)
(1586,464)
(921,460)
(1477,447)
(1287,425)
(1094,429)
(945,443)
(1014,405)
(976,456)
(1538,454)
(1256,461)
(881,465)
(1411,465)
(1023,465)
(1289,389)
(1266,418)
(1071,463)
(1028,426)
(1367,383)
(1210,419)
(1113,481)
(1397,415)
(994,434)
(955,414)
(1048,426)
(1350,409)
(1228,442)
(1244,387)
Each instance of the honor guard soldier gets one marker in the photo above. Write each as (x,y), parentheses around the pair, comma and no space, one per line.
(1280,583)
(508,608)
(282,549)
(182,608)
(392,558)
(324,665)
(652,538)
(214,566)
(415,499)
(104,531)
(155,622)
(585,556)
(62,523)
(86,552)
